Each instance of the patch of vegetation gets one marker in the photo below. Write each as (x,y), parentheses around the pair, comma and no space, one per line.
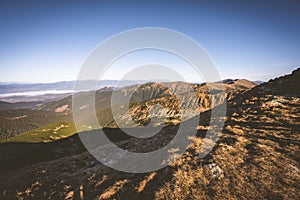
(48,133)
(14,122)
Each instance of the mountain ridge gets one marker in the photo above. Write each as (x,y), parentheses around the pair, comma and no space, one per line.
(256,157)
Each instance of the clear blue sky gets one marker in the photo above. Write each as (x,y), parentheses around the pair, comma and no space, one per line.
(47,41)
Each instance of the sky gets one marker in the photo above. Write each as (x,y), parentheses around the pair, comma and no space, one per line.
(48,41)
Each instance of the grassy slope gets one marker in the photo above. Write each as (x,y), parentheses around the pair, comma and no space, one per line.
(48,133)
(14,122)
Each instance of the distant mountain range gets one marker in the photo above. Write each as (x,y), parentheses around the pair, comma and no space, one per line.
(66,85)
(15,87)
(36,92)
(258,82)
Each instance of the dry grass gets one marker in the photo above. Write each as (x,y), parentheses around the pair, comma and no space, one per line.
(113,190)
(144,182)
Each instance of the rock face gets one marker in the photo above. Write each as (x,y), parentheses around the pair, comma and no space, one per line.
(256,157)
(177,101)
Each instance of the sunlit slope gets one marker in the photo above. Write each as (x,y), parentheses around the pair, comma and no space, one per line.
(142,103)
(48,133)
(14,122)
(256,157)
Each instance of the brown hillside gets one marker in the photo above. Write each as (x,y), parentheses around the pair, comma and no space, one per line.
(257,157)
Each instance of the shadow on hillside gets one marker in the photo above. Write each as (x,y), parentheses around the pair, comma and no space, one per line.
(16,155)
